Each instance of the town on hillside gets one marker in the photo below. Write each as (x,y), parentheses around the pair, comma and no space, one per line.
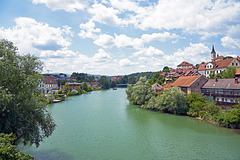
(206,78)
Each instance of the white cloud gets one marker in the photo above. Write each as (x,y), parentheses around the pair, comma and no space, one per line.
(229,42)
(89,30)
(150,51)
(101,56)
(126,62)
(33,37)
(105,15)
(123,41)
(105,41)
(67,5)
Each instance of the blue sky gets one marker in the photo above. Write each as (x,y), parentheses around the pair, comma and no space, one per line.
(116,37)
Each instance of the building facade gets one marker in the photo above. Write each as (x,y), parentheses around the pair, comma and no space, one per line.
(225,92)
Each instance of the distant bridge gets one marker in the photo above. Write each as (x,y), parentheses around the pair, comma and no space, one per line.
(123,85)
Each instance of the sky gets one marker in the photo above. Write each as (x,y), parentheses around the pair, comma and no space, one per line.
(118,37)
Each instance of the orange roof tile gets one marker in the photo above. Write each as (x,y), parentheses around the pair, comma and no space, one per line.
(217,64)
(238,72)
(167,86)
(185,81)
(184,63)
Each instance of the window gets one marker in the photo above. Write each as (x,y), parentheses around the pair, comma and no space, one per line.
(217,99)
(236,64)
(232,64)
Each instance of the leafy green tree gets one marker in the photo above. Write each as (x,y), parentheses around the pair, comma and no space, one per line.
(196,102)
(212,74)
(65,88)
(10,151)
(172,101)
(113,84)
(79,91)
(166,69)
(229,73)
(50,97)
(104,82)
(84,86)
(157,78)
(89,89)
(69,93)
(229,119)
(22,107)
(74,92)
(140,93)
(59,91)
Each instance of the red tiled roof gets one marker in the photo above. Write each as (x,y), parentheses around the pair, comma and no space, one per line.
(184,63)
(94,83)
(219,57)
(238,72)
(185,81)
(49,80)
(217,64)
(167,86)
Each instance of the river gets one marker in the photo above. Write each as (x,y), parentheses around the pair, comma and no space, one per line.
(102,125)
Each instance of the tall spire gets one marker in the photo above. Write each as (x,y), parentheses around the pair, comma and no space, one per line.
(213,49)
(213,53)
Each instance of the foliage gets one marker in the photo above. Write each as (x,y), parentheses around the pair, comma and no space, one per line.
(89,89)
(229,119)
(140,93)
(65,88)
(69,93)
(79,91)
(113,84)
(201,107)
(50,97)
(10,151)
(84,86)
(104,82)
(148,75)
(74,92)
(59,91)
(172,101)
(157,78)
(229,73)
(212,74)
(22,107)
(83,77)
(166,69)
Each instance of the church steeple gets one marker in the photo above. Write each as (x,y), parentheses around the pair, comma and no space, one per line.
(213,53)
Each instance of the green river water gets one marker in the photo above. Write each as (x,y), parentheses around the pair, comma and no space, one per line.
(102,125)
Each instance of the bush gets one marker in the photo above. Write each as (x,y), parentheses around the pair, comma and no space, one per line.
(69,93)
(74,92)
(10,151)
(229,119)
(59,91)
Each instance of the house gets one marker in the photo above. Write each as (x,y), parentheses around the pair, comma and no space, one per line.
(157,88)
(95,84)
(224,92)
(167,86)
(237,74)
(48,84)
(218,66)
(190,84)
(185,65)
(72,86)
(116,78)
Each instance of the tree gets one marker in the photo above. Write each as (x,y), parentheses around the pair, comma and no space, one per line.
(140,93)
(166,69)
(229,73)
(157,78)
(172,101)
(104,82)
(84,86)
(22,107)
(10,151)
(50,97)
(65,88)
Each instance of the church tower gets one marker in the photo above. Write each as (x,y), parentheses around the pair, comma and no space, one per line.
(213,53)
